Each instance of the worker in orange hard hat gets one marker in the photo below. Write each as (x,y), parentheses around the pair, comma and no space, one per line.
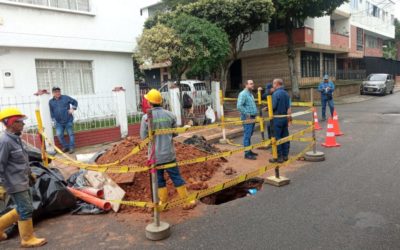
(15,175)
(164,147)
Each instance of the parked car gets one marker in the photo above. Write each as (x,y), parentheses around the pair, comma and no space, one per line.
(381,84)
(197,90)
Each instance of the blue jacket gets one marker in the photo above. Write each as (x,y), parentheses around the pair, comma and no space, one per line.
(280,102)
(323,85)
(59,109)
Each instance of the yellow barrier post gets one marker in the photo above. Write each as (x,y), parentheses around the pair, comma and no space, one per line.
(314,155)
(275,180)
(261,115)
(223,140)
(158,230)
(42,139)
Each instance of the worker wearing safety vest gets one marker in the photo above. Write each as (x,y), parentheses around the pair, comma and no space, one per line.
(164,147)
(15,175)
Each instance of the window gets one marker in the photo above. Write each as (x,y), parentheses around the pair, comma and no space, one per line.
(73,77)
(371,42)
(329,64)
(77,5)
(310,64)
(200,86)
(375,11)
(185,87)
(360,35)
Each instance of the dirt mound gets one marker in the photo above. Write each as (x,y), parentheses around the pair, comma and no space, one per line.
(195,175)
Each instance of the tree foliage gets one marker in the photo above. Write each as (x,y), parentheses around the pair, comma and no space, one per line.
(238,18)
(292,12)
(173,4)
(186,42)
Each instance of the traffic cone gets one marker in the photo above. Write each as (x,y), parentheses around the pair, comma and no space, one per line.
(336,126)
(316,123)
(330,140)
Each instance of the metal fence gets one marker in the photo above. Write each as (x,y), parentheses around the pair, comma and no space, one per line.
(27,105)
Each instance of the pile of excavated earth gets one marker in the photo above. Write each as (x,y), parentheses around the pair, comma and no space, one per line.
(137,186)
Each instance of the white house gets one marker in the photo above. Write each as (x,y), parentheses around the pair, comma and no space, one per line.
(83,46)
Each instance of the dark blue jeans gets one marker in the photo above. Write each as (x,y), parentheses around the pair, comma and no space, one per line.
(248,130)
(60,128)
(173,173)
(281,130)
(324,101)
(23,200)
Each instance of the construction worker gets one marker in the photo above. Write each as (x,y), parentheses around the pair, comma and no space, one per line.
(248,111)
(326,88)
(62,108)
(281,106)
(164,147)
(15,175)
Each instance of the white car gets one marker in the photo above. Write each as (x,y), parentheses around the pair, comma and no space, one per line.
(196,89)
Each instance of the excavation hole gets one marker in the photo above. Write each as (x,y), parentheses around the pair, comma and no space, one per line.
(249,187)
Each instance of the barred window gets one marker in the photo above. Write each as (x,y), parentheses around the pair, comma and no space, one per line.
(78,5)
(310,64)
(73,77)
(329,64)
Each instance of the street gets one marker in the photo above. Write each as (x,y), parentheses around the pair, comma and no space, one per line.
(350,201)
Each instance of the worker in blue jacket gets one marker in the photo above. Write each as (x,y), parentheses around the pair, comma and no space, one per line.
(62,108)
(281,106)
(326,88)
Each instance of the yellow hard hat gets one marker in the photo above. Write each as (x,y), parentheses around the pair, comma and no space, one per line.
(10,112)
(154,96)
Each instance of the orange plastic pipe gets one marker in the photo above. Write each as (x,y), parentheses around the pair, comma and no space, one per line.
(105,205)
(99,193)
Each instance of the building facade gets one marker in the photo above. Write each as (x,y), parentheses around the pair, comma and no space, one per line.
(334,45)
(83,46)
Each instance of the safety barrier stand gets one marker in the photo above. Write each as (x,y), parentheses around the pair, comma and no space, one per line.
(42,139)
(158,230)
(274,180)
(314,155)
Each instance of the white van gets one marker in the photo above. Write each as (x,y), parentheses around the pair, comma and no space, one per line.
(196,89)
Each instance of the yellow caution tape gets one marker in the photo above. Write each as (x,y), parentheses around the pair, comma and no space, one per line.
(217,188)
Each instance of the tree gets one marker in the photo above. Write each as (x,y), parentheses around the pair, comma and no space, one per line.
(238,18)
(390,47)
(173,4)
(292,12)
(186,42)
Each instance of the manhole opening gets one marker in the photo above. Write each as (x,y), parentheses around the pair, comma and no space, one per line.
(249,187)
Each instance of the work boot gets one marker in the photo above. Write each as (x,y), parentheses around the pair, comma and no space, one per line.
(71,151)
(252,153)
(280,159)
(65,150)
(250,157)
(6,221)
(183,193)
(163,195)
(272,160)
(285,158)
(28,239)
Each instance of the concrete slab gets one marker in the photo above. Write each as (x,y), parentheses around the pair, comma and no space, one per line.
(277,182)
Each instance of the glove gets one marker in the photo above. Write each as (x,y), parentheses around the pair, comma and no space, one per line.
(32,179)
(2,193)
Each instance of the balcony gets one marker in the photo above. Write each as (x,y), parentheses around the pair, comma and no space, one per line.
(339,41)
(300,36)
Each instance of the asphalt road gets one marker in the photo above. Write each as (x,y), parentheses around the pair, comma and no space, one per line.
(350,201)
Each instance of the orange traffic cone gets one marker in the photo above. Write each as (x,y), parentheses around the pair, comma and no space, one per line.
(336,126)
(316,123)
(330,140)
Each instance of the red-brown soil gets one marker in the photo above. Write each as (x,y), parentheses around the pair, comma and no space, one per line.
(196,175)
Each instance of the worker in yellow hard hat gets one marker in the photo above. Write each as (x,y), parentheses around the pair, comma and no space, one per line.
(15,175)
(164,147)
